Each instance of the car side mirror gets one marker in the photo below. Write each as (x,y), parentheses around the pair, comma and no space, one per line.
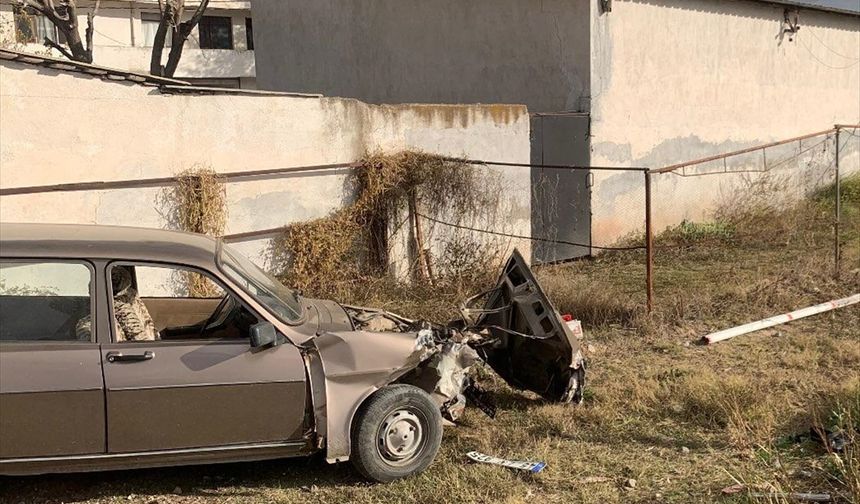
(263,334)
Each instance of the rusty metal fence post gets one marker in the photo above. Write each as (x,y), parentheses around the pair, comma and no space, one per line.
(837,251)
(649,245)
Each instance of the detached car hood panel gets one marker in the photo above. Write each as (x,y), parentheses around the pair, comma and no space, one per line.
(532,347)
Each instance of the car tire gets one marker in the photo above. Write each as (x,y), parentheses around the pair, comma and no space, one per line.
(397,433)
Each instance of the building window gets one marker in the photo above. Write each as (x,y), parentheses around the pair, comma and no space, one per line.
(249,33)
(34,28)
(216,32)
(150,21)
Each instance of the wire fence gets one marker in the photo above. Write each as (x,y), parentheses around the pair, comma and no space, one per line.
(724,219)
(765,223)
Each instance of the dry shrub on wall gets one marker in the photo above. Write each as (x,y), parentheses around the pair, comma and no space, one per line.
(330,256)
(198,204)
(201,201)
(319,257)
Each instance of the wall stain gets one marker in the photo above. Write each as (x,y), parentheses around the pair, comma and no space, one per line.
(667,152)
(457,116)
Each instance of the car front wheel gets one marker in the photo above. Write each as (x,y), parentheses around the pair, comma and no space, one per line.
(397,433)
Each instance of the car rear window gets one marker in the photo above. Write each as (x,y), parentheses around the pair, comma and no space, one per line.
(45,301)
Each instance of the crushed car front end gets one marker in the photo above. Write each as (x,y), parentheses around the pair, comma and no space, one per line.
(513,328)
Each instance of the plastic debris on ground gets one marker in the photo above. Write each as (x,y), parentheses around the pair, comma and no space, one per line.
(532,467)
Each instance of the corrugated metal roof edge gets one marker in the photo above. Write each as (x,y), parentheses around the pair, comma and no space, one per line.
(804,5)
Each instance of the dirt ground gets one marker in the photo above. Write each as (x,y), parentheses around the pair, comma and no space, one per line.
(665,419)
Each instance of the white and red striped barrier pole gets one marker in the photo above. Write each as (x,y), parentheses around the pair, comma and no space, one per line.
(781,319)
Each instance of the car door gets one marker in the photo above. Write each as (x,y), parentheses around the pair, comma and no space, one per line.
(197,392)
(51,389)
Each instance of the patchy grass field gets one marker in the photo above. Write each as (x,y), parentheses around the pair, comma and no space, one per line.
(664,420)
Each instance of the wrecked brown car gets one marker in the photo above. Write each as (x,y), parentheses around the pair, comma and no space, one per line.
(125,348)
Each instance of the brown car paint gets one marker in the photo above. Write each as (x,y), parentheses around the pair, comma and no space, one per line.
(48,393)
(200,401)
(211,402)
(209,393)
(356,364)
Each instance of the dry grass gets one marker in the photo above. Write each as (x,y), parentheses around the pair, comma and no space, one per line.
(683,420)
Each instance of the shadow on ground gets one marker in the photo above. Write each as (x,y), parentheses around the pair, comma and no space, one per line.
(208,481)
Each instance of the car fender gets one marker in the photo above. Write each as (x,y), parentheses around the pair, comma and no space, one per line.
(354,365)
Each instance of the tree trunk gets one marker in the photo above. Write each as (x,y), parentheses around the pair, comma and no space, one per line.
(176,50)
(76,45)
(171,13)
(155,67)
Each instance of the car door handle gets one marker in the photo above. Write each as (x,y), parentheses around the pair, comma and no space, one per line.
(121,357)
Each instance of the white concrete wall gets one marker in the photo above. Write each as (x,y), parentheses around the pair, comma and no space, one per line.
(675,80)
(58,127)
(118,40)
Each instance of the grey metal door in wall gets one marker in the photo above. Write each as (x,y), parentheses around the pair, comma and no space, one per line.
(561,199)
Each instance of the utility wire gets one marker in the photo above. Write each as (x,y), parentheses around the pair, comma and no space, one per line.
(852,58)
(816,58)
(123,44)
(523,237)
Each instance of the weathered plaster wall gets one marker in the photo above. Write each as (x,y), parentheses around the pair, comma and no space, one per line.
(431,51)
(674,80)
(58,127)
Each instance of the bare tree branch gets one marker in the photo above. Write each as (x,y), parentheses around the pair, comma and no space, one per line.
(63,50)
(66,12)
(63,16)
(90,28)
(49,4)
(195,18)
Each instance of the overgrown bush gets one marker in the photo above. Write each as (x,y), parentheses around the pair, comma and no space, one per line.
(335,255)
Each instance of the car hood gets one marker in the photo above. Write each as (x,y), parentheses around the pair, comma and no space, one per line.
(532,348)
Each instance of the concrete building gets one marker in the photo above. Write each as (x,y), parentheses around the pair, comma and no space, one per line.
(219,52)
(625,82)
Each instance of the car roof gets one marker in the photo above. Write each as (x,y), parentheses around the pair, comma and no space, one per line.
(82,241)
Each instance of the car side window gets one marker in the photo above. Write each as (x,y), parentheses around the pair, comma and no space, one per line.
(165,302)
(45,301)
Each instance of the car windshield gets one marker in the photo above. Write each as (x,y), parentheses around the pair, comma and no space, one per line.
(268,290)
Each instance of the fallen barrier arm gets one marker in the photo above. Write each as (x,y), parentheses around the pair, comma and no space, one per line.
(780,319)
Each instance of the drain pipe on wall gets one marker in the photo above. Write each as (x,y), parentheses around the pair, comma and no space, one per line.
(780,319)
